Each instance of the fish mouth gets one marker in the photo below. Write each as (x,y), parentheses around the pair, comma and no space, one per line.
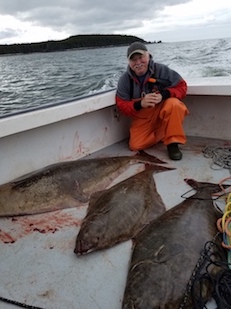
(82,248)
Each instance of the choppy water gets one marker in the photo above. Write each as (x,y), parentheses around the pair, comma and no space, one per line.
(43,78)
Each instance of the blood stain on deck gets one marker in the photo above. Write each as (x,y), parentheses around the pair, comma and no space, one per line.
(21,226)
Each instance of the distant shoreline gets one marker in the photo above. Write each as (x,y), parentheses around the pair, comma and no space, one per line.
(69,49)
(78,42)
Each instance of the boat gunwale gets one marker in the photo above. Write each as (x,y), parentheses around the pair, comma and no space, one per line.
(58,111)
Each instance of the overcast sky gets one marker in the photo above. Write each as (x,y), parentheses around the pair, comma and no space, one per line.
(26,21)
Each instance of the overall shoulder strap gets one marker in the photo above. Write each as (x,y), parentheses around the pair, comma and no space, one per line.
(131,88)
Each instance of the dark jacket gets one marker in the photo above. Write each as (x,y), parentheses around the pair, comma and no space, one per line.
(159,78)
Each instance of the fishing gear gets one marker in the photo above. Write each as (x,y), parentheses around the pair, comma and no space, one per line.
(221,156)
(218,284)
(213,255)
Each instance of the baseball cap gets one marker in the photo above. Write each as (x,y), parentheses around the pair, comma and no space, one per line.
(136,48)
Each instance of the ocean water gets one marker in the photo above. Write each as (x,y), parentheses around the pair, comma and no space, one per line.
(28,81)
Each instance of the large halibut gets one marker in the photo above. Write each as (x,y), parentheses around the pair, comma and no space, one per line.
(63,185)
(119,213)
(167,251)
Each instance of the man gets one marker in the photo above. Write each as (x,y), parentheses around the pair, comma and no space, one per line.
(150,94)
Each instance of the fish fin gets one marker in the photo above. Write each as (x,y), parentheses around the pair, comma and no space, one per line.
(167,252)
(143,157)
(95,196)
(158,168)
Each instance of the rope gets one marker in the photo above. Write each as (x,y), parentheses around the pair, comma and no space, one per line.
(219,283)
(224,226)
(221,156)
(222,291)
(16,303)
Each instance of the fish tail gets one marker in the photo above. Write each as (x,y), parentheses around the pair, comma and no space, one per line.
(213,187)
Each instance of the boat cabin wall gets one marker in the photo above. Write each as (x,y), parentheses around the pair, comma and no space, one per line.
(209,116)
(64,140)
(209,104)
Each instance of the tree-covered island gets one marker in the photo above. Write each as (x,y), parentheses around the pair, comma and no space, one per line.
(73,42)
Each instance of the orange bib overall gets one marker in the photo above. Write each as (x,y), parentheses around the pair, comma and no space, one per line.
(164,122)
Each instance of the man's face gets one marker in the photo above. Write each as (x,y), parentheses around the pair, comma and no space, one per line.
(139,63)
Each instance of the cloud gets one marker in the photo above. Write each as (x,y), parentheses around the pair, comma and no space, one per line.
(82,13)
(7,33)
(38,20)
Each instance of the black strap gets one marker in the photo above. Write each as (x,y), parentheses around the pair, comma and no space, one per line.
(131,88)
(159,84)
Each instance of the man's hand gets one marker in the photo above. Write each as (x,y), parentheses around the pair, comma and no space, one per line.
(151,99)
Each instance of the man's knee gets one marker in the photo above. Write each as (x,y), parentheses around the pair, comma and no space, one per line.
(173,102)
(143,142)
(173,105)
(134,145)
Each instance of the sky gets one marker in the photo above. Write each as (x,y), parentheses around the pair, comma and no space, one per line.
(27,21)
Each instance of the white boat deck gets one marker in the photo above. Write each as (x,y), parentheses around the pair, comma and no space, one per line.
(37,263)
